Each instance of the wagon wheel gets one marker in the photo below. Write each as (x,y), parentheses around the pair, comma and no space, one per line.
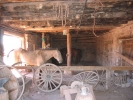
(101,86)
(48,77)
(23,84)
(87,77)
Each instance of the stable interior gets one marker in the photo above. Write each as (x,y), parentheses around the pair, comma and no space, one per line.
(102,30)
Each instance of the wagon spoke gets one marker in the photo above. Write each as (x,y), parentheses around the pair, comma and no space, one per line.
(77,78)
(53,83)
(39,80)
(56,74)
(50,85)
(46,70)
(40,83)
(55,71)
(80,77)
(83,76)
(89,75)
(91,78)
(45,85)
(91,83)
(42,70)
(57,78)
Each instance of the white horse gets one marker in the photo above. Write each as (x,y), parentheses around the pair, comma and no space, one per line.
(37,57)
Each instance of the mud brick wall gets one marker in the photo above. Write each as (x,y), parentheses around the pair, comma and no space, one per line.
(88,46)
(110,43)
(127,48)
(36,39)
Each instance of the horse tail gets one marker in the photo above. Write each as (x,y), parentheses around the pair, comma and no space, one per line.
(10,52)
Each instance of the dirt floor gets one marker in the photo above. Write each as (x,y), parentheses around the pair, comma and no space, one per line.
(119,94)
(115,93)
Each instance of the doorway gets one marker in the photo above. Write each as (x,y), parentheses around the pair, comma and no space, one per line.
(10,42)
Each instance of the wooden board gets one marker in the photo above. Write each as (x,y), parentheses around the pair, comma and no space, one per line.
(81,68)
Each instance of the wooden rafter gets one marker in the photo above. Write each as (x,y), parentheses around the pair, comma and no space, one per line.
(60,29)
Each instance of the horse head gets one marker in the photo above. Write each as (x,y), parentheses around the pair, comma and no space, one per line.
(58,56)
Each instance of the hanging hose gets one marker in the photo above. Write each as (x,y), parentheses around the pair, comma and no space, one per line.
(81,19)
(82,15)
(62,15)
(94,21)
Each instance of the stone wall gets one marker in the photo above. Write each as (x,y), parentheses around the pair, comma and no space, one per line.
(110,43)
(34,39)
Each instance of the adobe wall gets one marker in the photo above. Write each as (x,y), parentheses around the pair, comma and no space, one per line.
(108,44)
(34,39)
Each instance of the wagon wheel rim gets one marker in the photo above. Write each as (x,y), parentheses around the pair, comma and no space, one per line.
(23,84)
(87,77)
(103,82)
(19,63)
(50,79)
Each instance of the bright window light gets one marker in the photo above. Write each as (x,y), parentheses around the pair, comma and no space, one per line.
(10,42)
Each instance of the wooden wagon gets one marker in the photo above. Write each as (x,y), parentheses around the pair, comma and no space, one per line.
(48,77)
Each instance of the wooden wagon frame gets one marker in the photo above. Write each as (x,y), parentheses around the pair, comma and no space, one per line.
(52,74)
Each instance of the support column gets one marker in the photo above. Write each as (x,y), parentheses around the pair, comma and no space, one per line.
(68,51)
(26,41)
(1,35)
(43,41)
(1,42)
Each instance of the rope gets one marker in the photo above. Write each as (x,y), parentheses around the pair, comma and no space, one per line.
(94,21)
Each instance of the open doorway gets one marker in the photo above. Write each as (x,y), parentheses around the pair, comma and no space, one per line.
(10,42)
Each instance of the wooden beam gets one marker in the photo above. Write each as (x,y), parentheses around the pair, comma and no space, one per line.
(15,31)
(125,58)
(35,17)
(126,39)
(60,29)
(82,68)
(68,48)
(13,1)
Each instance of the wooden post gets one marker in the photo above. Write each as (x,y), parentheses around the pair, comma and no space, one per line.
(120,50)
(26,41)
(108,76)
(1,35)
(68,51)
(43,41)
(1,42)
(68,48)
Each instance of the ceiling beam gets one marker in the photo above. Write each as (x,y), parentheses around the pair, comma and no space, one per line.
(12,1)
(30,17)
(60,29)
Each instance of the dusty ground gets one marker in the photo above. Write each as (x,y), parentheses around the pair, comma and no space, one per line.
(115,93)
(119,94)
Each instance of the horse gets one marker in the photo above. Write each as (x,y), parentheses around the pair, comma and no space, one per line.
(76,55)
(37,57)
